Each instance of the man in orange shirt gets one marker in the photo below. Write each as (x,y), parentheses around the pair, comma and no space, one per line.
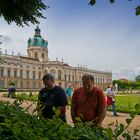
(88,102)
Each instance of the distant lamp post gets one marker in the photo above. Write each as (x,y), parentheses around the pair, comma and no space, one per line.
(116,87)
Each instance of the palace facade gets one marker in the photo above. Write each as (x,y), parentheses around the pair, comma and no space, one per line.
(27,71)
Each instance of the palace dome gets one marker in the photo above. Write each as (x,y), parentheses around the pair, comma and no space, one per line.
(37,40)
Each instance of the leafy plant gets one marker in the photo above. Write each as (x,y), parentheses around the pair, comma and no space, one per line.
(17,124)
(11,83)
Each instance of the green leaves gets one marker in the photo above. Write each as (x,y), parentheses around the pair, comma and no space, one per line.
(138,76)
(92,2)
(112,1)
(17,124)
(128,121)
(137,106)
(137,11)
(22,11)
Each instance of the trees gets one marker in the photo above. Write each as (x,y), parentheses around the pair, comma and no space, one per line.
(137,78)
(22,11)
(127,85)
(137,9)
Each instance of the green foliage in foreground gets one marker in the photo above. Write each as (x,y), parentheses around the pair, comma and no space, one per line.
(15,124)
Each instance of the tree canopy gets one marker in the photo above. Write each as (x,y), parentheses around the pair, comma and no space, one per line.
(137,9)
(137,78)
(22,11)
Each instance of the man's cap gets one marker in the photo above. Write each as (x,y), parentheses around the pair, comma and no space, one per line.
(48,77)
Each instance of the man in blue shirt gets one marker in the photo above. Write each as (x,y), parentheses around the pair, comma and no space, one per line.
(69,92)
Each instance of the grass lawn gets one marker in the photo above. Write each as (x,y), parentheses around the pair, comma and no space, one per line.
(126,103)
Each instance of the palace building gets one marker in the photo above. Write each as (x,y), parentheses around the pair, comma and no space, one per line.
(27,71)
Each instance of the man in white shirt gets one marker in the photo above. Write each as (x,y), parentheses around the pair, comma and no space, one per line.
(111,99)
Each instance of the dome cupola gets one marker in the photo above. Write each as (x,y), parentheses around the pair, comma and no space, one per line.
(38,47)
(37,32)
(37,40)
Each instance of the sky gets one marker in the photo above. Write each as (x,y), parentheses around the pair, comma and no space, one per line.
(103,37)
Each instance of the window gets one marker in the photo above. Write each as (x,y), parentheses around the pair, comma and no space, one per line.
(21,73)
(72,77)
(69,77)
(15,74)
(65,77)
(8,73)
(39,75)
(59,74)
(42,55)
(36,55)
(33,75)
(1,72)
(27,74)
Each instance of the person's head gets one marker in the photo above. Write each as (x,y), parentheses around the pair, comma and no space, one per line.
(108,86)
(112,87)
(48,81)
(69,85)
(88,82)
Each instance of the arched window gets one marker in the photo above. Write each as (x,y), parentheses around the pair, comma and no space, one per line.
(42,55)
(39,75)
(36,55)
(45,72)
(1,72)
(59,74)
(52,72)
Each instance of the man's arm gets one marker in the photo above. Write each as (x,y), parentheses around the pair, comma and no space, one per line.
(63,113)
(101,116)
(101,108)
(62,99)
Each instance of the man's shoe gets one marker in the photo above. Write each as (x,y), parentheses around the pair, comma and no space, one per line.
(116,115)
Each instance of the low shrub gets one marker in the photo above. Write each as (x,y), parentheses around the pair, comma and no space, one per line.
(16,124)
